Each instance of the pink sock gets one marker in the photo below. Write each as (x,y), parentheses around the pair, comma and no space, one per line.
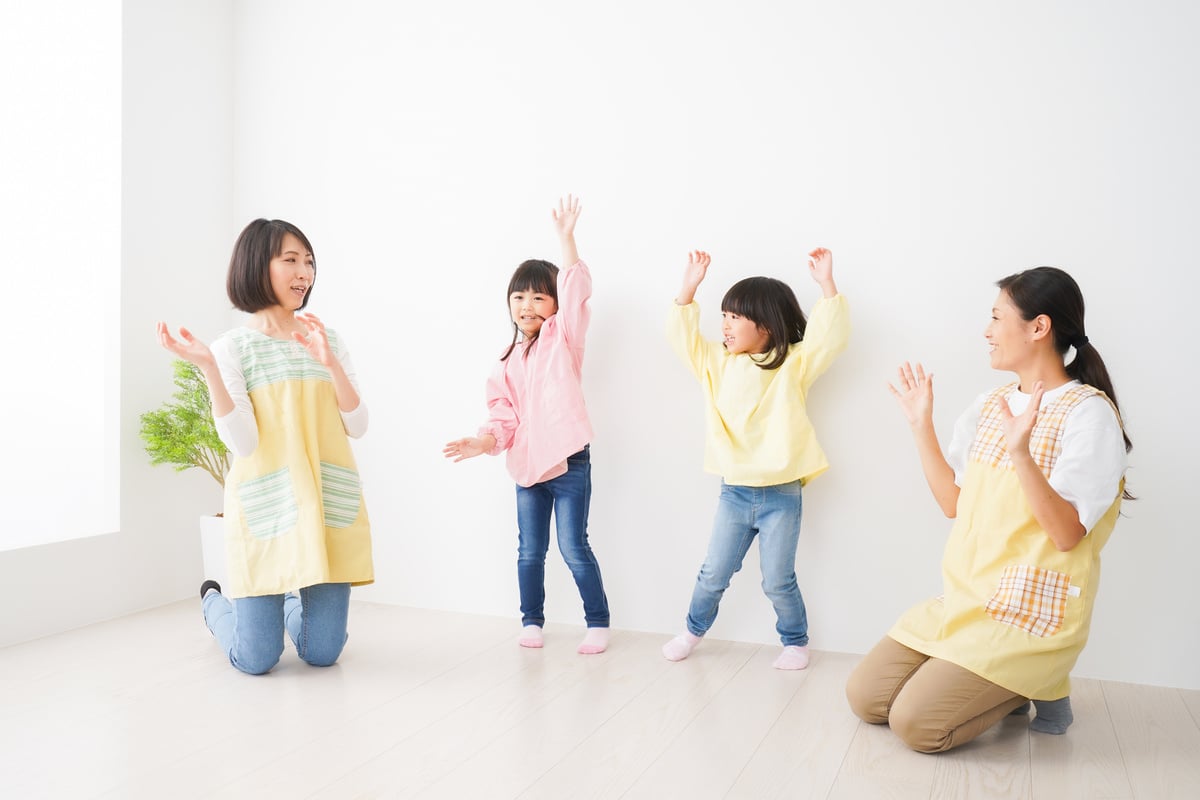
(594,641)
(680,647)
(531,636)
(792,657)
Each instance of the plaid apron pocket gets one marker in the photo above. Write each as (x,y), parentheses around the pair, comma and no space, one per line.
(1032,599)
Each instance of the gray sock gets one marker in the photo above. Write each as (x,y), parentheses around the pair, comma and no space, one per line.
(1021,709)
(1053,716)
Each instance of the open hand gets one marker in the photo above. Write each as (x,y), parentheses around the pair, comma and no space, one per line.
(820,264)
(1017,429)
(693,274)
(187,347)
(697,268)
(461,449)
(565,217)
(915,395)
(317,342)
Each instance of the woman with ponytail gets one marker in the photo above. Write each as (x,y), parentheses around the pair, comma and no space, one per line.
(1034,478)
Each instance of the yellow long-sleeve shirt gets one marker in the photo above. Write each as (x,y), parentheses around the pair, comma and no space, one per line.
(758,431)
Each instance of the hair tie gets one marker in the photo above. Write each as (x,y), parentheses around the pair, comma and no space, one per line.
(1079,341)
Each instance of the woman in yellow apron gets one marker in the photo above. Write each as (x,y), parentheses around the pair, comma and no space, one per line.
(284,400)
(1034,479)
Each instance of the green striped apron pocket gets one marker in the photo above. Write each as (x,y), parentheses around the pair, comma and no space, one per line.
(341,495)
(268,504)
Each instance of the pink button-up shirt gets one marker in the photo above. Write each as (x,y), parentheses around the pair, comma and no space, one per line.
(535,399)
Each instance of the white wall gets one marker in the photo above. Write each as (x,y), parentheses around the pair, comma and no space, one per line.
(177,228)
(934,148)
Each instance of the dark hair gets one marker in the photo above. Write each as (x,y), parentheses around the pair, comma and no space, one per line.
(534,275)
(772,306)
(1051,291)
(249,281)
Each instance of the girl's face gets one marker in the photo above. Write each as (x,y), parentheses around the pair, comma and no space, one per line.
(292,273)
(742,335)
(530,309)
(1009,335)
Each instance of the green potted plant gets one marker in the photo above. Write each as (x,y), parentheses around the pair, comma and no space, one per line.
(182,434)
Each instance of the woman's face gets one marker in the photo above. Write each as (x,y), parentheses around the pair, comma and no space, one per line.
(1009,336)
(292,273)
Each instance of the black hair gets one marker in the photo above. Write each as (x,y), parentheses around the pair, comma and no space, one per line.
(1051,291)
(772,306)
(249,281)
(539,277)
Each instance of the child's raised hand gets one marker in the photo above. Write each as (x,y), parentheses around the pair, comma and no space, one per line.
(462,449)
(187,347)
(693,274)
(820,264)
(915,394)
(565,217)
(317,342)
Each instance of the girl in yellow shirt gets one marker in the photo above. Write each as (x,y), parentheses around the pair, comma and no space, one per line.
(759,438)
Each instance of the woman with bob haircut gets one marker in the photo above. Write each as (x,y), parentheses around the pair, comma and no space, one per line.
(285,402)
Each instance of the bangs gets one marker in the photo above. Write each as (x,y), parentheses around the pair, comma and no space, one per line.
(536,276)
(749,298)
(737,304)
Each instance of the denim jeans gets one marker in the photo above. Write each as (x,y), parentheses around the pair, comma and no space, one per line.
(250,629)
(569,496)
(773,514)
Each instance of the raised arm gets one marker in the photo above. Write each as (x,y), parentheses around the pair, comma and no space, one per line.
(915,397)
(820,266)
(693,275)
(565,217)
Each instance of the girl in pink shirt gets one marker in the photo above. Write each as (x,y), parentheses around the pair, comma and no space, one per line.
(537,413)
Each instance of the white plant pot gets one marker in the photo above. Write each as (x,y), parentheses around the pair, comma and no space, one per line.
(212,547)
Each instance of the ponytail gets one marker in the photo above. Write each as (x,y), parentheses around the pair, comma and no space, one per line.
(1051,291)
(1088,367)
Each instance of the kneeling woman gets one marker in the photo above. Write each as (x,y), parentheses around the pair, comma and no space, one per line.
(1034,478)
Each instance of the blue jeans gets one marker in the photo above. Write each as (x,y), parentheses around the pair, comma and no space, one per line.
(569,496)
(773,514)
(250,629)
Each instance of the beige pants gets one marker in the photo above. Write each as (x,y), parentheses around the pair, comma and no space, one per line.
(931,704)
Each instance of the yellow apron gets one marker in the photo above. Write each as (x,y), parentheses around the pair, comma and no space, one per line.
(294,514)
(1015,610)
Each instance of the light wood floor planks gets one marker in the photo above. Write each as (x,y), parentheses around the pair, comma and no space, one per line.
(429,704)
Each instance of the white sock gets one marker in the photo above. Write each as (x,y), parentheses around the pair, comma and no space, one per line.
(594,641)
(792,657)
(531,636)
(681,646)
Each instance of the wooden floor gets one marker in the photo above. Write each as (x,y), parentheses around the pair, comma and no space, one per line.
(437,705)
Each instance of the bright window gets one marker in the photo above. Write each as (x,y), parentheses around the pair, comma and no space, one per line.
(60,240)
